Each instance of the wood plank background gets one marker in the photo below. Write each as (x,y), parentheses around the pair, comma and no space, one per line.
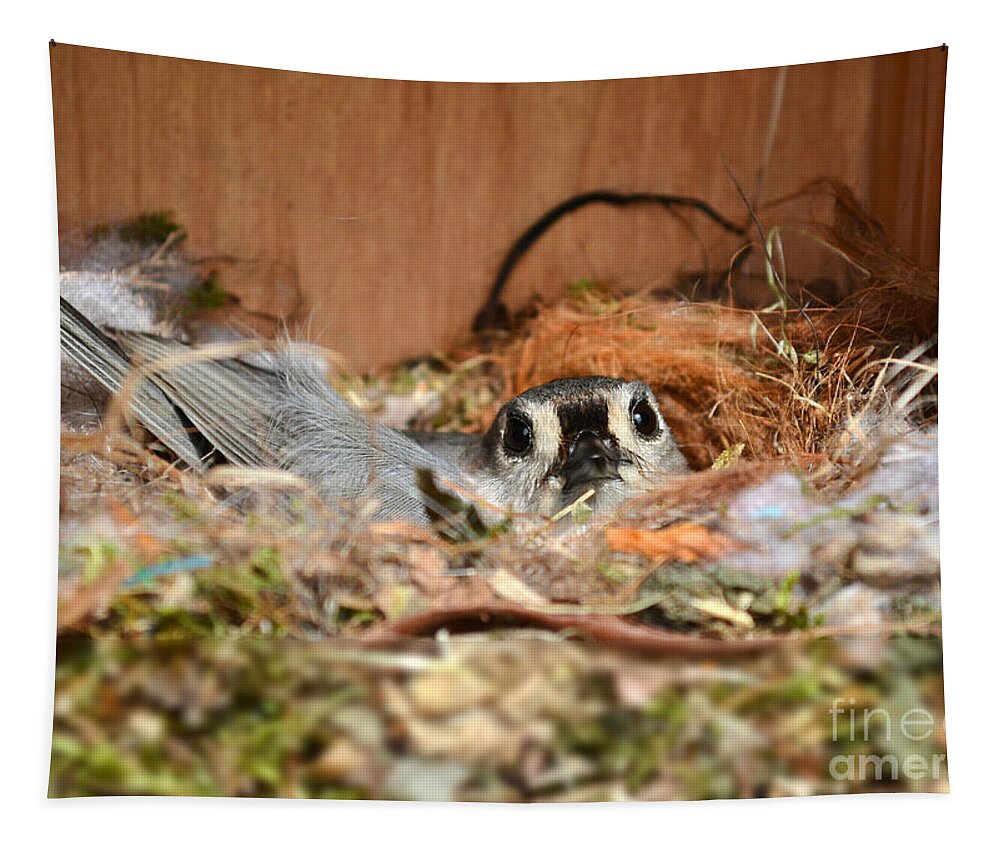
(388,205)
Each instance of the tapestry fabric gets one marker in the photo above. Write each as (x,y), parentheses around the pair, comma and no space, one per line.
(528,442)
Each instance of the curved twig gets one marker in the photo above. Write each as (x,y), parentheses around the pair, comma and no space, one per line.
(493,314)
(611,630)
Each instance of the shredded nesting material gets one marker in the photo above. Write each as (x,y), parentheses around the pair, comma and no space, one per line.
(812,521)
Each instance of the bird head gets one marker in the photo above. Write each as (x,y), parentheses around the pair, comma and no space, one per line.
(553,443)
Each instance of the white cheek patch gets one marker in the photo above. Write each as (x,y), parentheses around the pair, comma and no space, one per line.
(547,434)
(620,425)
(520,483)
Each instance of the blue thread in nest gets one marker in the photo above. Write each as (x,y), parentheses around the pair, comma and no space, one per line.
(166,568)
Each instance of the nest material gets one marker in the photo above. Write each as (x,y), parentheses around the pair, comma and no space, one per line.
(818,391)
(820,521)
(783,381)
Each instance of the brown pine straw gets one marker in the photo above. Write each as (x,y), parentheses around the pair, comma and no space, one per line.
(717,386)
(859,237)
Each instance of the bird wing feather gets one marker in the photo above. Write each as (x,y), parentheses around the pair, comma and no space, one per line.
(91,349)
(285,415)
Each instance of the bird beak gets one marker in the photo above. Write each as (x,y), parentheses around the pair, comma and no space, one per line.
(591,459)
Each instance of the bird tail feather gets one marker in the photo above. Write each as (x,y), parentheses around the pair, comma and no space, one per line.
(283,414)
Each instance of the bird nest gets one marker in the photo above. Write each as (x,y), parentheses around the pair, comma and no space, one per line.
(284,646)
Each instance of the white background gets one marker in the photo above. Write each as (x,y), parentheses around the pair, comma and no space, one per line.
(511,41)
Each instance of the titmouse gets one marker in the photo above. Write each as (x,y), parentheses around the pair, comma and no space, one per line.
(546,449)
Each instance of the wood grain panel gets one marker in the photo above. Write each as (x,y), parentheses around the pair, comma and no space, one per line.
(391,203)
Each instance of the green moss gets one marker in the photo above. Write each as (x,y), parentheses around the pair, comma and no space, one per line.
(208,295)
(629,742)
(194,717)
(183,508)
(583,285)
(149,229)
(99,557)
(613,571)
(839,513)
(104,768)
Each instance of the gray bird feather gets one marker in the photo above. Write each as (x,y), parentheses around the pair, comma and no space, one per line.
(284,415)
(596,434)
(88,347)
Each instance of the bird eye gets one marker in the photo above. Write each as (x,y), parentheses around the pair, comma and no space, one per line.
(644,418)
(517,435)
